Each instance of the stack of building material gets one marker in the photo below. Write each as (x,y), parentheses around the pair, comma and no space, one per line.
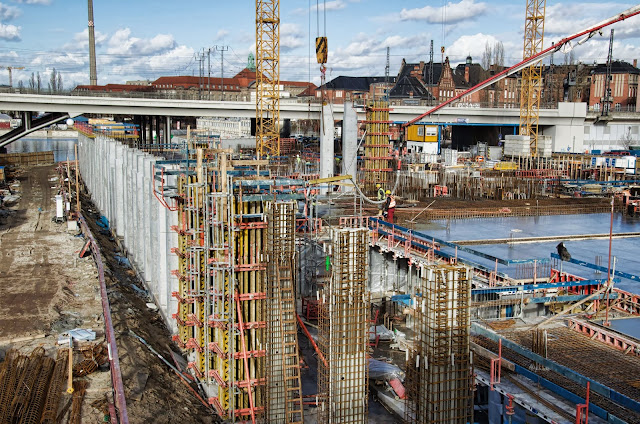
(544,146)
(450,157)
(517,145)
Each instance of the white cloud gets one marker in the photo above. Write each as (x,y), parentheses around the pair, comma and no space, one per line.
(81,41)
(8,13)
(172,58)
(453,12)
(328,6)
(474,45)
(567,19)
(121,42)
(291,37)
(10,32)
(43,2)
(221,34)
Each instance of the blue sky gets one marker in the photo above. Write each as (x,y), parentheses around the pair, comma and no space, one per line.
(141,39)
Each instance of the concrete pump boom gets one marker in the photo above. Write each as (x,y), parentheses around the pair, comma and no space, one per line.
(586,34)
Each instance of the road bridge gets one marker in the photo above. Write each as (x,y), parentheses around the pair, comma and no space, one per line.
(565,124)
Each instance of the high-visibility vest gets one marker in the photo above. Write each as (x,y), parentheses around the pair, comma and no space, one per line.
(380,193)
(392,203)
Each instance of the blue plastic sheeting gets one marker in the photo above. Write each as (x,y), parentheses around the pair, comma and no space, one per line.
(598,267)
(596,386)
(103,222)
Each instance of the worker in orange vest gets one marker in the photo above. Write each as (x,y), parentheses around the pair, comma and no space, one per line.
(389,207)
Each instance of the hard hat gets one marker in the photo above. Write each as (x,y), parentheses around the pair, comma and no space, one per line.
(388,191)
(378,185)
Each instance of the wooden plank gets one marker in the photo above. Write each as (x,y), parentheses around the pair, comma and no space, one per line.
(249,162)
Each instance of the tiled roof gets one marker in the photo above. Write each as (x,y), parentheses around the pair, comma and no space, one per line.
(407,87)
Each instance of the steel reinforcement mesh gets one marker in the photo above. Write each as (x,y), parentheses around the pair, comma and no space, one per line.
(439,374)
(343,337)
(284,393)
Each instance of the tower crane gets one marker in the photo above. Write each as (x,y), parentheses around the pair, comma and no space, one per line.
(267,77)
(10,69)
(531,86)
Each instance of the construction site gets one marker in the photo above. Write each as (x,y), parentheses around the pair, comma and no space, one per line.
(191,281)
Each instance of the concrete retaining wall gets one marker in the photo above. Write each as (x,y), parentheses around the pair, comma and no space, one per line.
(120,180)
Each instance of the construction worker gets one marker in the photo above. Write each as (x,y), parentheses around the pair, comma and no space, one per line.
(389,207)
(298,164)
(380,192)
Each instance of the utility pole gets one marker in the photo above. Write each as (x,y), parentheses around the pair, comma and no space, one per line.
(430,79)
(386,77)
(222,49)
(93,73)
(209,74)
(607,99)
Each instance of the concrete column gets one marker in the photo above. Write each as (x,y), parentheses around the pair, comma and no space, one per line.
(327,155)
(350,142)
(167,133)
(148,219)
(157,122)
(139,213)
(120,189)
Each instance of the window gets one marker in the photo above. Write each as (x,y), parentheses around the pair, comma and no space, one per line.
(618,107)
(338,93)
(420,131)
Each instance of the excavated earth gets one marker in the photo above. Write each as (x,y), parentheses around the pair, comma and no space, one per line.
(46,290)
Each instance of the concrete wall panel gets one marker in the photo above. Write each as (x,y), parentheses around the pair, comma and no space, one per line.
(119,180)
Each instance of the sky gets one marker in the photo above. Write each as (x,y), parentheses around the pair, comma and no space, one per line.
(144,39)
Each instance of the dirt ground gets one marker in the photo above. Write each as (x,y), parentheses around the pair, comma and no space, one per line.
(45,290)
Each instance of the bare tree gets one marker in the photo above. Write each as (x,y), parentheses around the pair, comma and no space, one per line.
(498,53)
(38,82)
(20,86)
(487,55)
(32,82)
(627,139)
(60,86)
(53,82)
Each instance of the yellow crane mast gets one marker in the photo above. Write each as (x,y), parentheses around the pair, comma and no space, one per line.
(267,77)
(532,75)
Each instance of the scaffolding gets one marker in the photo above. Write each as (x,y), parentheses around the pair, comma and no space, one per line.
(342,336)
(284,402)
(221,295)
(377,147)
(439,374)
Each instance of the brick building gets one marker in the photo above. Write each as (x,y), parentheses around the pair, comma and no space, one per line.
(342,88)
(623,84)
(239,87)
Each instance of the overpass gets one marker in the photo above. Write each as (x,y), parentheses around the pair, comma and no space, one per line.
(564,123)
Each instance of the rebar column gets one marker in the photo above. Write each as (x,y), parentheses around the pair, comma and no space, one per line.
(439,375)
(284,394)
(343,335)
